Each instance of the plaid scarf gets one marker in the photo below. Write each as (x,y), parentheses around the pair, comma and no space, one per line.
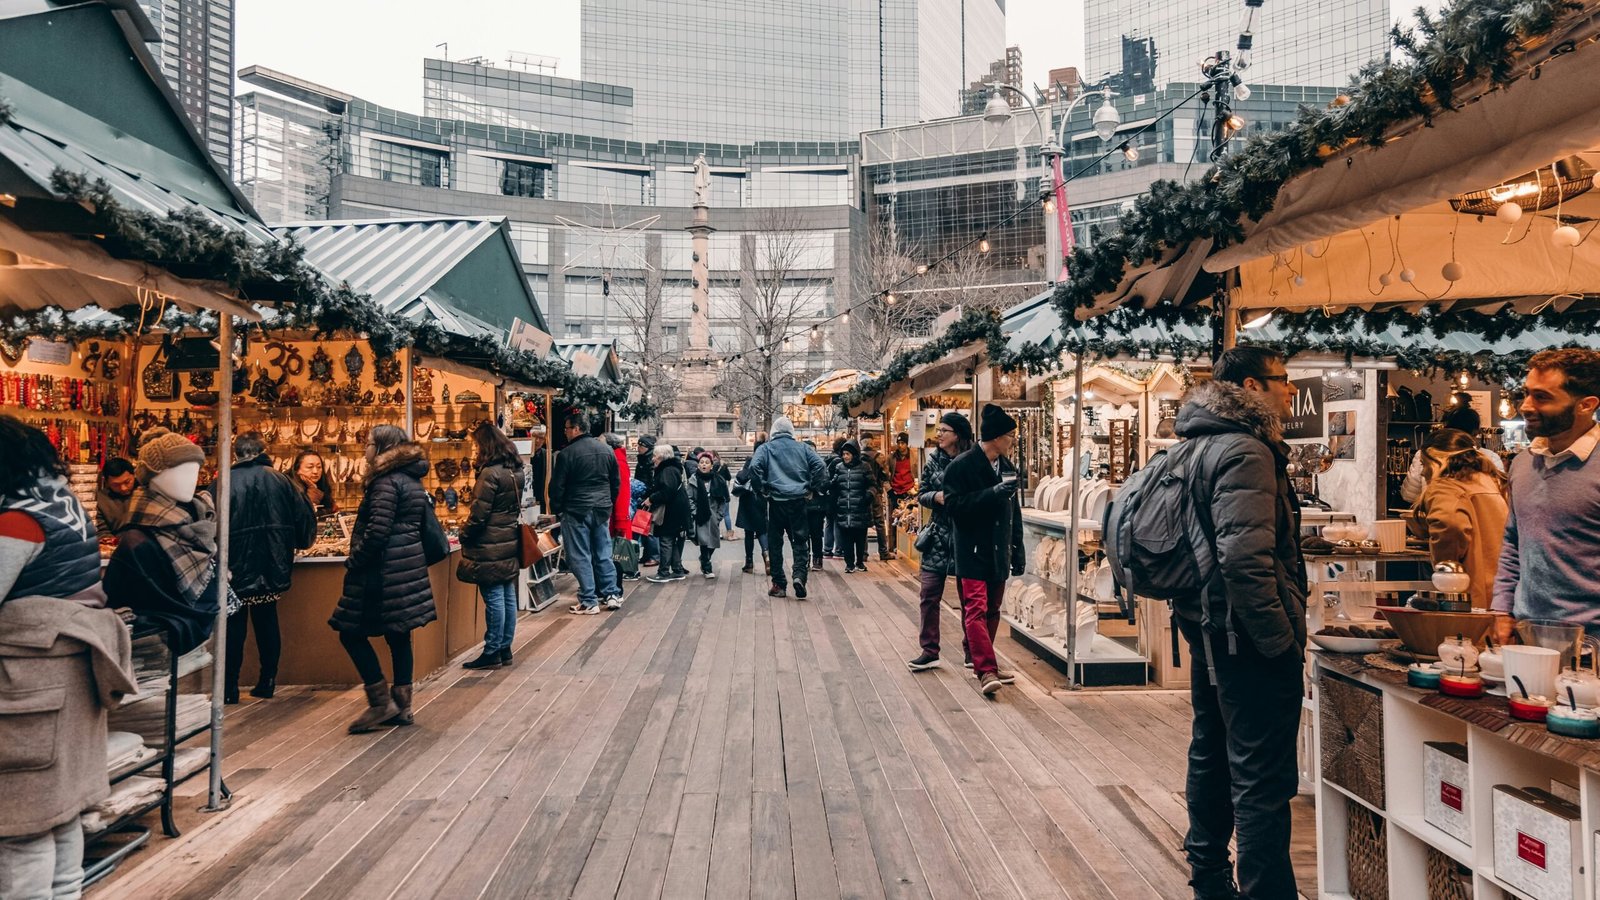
(188,535)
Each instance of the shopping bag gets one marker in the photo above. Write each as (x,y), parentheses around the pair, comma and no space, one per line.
(625,554)
(641,523)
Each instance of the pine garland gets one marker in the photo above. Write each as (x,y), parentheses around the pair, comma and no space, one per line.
(6,112)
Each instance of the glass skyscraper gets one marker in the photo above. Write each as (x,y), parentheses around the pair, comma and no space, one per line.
(759,70)
(1296,42)
(196,55)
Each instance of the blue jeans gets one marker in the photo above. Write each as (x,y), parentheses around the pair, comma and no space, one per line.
(586,540)
(499,614)
(48,864)
(830,537)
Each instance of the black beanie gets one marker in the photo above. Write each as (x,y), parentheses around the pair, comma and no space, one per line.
(996,423)
(959,424)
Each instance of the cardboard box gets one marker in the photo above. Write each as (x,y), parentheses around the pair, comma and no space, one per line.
(1536,847)
(1446,800)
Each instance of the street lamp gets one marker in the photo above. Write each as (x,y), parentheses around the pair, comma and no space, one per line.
(1106,121)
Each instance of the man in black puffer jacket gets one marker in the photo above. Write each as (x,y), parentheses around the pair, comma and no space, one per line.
(1246,683)
(268,521)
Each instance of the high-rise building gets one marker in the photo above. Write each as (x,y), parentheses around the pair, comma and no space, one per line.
(1007,71)
(1146,45)
(1064,84)
(196,55)
(785,70)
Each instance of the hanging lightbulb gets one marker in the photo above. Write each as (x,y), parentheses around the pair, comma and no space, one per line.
(983,245)
(1505,408)
(889,298)
(1049,206)
(1452,271)
(844,318)
(1241,91)
(1565,236)
(1408,275)
(1233,124)
(1463,379)
(1509,212)
(1129,152)
(922,269)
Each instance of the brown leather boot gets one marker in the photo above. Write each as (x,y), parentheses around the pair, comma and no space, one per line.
(380,709)
(401,694)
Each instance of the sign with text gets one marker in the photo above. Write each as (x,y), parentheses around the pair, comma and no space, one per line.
(1306,421)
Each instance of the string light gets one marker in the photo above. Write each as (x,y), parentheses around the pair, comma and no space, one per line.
(1129,152)
(983,243)
(1049,206)
(889,298)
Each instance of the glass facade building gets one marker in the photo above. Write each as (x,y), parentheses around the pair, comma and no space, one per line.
(758,70)
(196,55)
(1296,42)
(285,157)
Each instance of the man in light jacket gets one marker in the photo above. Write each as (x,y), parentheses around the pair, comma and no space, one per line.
(791,472)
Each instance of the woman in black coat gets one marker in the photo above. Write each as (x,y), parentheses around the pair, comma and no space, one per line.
(491,542)
(852,488)
(668,492)
(386,589)
(752,514)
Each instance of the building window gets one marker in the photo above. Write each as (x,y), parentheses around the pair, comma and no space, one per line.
(521,179)
(724,428)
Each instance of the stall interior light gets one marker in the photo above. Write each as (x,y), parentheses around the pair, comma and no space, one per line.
(1258,321)
(8,200)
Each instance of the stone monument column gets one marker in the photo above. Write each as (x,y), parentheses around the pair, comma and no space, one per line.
(699,419)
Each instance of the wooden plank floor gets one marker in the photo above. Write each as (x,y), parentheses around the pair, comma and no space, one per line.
(705,741)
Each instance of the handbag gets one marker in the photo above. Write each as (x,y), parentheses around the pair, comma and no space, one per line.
(435,545)
(658,516)
(625,554)
(160,384)
(528,549)
(642,520)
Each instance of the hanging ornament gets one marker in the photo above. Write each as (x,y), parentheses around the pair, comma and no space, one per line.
(1565,236)
(1408,275)
(1509,212)
(1452,271)
(1386,279)
(1299,281)
(354,362)
(386,370)
(321,366)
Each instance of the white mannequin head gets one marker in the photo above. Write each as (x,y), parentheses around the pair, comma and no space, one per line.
(177,483)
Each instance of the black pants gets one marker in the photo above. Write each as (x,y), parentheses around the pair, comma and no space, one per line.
(816,520)
(788,517)
(366,658)
(751,541)
(269,644)
(883,540)
(853,544)
(705,558)
(671,555)
(1242,771)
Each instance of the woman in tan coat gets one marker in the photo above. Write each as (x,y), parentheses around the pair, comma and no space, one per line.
(1465,510)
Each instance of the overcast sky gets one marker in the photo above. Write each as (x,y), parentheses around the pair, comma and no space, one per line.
(375,50)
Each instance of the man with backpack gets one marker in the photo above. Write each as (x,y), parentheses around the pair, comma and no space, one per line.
(1213,525)
(980,494)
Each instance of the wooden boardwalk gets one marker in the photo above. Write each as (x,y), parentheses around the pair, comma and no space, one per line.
(705,741)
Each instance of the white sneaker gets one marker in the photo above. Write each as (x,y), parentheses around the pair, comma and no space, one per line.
(613,602)
(578,609)
(711,574)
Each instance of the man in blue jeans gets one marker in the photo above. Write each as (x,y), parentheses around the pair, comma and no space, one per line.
(583,490)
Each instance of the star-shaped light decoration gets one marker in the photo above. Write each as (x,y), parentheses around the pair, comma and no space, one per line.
(607,245)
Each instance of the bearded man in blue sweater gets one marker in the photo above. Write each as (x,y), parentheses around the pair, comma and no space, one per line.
(1547,563)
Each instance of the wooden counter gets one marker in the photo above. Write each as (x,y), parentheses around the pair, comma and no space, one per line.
(312,654)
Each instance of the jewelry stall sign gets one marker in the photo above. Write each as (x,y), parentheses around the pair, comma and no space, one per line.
(1306,419)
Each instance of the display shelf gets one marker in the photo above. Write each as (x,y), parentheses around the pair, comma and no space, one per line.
(1104,663)
(1348,794)
(1423,830)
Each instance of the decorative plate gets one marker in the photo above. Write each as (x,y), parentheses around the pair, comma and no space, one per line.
(321,366)
(354,362)
(386,370)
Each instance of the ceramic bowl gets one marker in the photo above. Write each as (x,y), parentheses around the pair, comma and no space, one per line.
(1422,632)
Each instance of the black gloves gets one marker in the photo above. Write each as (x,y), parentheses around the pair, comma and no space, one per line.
(1017,565)
(1005,490)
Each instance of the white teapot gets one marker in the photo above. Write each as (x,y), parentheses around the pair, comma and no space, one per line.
(1584,684)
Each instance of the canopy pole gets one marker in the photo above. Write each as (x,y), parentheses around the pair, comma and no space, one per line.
(216,794)
(1072,523)
(411,392)
(1230,316)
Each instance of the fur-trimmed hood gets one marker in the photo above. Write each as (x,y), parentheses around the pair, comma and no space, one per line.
(1219,407)
(404,457)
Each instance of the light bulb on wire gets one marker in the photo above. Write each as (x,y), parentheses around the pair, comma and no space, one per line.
(888,298)
(983,245)
(1129,152)
(1049,205)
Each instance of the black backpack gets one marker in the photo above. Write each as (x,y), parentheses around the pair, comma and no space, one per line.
(1157,542)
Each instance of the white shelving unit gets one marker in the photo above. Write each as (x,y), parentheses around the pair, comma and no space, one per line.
(1492,759)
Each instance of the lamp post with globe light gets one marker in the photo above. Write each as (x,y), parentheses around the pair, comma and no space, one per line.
(1105,121)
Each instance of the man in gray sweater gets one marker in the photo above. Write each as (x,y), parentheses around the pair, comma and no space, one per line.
(1553,531)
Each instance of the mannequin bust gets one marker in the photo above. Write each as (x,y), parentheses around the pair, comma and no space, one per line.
(177,483)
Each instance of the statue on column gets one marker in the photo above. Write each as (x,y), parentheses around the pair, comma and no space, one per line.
(702,181)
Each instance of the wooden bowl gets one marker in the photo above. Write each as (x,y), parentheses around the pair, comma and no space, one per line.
(1422,631)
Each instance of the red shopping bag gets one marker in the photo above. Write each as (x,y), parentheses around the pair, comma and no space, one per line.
(641,523)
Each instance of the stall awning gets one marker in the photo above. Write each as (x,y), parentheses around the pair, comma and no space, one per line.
(578,353)
(822,389)
(462,272)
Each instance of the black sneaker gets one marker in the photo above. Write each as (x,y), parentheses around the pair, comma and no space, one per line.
(966,663)
(800,589)
(661,578)
(485,660)
(777,590)
(505,657)
(749,569)
(924,662)
(679,576)
(989,682)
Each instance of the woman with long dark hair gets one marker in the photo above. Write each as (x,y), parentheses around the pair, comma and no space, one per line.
(387,593)
(1465,509)
(70,651)
(934,541)
(491,542)
(310,474)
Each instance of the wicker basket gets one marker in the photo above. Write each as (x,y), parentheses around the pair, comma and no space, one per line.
(1352,737)
(1366,854)
(1447,879)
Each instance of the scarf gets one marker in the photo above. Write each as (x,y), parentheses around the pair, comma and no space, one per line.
(702,497)
(187,534)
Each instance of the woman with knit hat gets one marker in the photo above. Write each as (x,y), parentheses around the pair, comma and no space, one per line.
(387,593)
(981,494)
(165,564)
(935,542)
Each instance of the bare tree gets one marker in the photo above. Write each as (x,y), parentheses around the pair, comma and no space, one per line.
(637,299)
(778,300)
